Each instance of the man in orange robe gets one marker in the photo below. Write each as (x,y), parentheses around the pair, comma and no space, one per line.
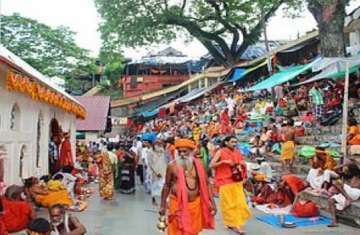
(191,207)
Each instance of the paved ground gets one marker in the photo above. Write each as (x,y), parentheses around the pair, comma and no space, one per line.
(134,215)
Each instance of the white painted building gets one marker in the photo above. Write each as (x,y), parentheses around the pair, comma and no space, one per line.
(25,122)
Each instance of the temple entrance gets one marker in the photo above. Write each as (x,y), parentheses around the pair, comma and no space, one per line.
(54,144)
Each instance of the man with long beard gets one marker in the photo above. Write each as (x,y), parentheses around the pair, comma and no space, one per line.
(191,206)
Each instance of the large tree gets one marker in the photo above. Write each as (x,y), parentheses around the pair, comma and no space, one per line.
(52,51)
(225,27)
(330,16)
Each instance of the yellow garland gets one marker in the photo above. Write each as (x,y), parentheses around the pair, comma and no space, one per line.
(22,84)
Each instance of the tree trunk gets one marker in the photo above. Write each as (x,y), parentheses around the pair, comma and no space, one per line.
(330,18)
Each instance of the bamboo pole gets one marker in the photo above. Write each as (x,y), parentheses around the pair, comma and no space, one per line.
(345,115)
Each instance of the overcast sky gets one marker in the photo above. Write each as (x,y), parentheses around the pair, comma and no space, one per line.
(81,16)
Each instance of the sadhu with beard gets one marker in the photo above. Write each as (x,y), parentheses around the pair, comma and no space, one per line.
(191,206)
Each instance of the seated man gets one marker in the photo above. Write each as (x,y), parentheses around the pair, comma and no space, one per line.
(258,147)
(63,223)
(283,194)
(16,212)
(353,137)
(347,193)
(354,133)
(329,162)
(288,188)
(319,178)
(45,197)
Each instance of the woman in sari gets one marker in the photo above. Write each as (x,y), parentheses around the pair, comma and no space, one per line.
(127,171)
(106,175)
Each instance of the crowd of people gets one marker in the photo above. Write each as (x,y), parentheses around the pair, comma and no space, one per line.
(234,135)
(220,146)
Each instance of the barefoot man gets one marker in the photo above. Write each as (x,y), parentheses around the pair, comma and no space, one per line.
(288,146)
(191,206)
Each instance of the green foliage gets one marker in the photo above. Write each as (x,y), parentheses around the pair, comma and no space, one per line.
(113,60)
(225,27)
(52,51)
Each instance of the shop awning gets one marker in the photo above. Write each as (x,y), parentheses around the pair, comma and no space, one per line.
(325,75)
(150,113)
(282,76)
(200,93)
(237,74)
(332,68)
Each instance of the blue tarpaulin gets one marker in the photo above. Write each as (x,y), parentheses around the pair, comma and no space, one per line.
(237,74)
(150,113)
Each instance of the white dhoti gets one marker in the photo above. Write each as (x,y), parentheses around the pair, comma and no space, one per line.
(354,194)
(156,186)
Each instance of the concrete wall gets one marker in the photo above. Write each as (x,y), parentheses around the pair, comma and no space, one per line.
(24,136)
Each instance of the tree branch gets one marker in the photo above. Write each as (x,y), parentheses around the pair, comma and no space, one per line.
(200,34)
(255,32)
(183,5)
(218,57)
(233,30)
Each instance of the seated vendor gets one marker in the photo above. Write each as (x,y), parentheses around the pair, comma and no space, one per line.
(319,178)
(329,162)
(265,138)
(258,147)
(347,193)
(47,195)
(283,194)
(16,212)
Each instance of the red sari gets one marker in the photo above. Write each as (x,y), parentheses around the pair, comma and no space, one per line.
(65,155)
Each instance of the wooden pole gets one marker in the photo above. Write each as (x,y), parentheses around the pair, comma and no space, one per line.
(345,116)
(270,69)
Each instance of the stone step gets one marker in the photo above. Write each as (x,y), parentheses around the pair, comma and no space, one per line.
(298,147)
(350,216)
(299,169)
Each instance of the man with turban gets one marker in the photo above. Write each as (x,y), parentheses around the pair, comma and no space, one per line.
(191,206)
